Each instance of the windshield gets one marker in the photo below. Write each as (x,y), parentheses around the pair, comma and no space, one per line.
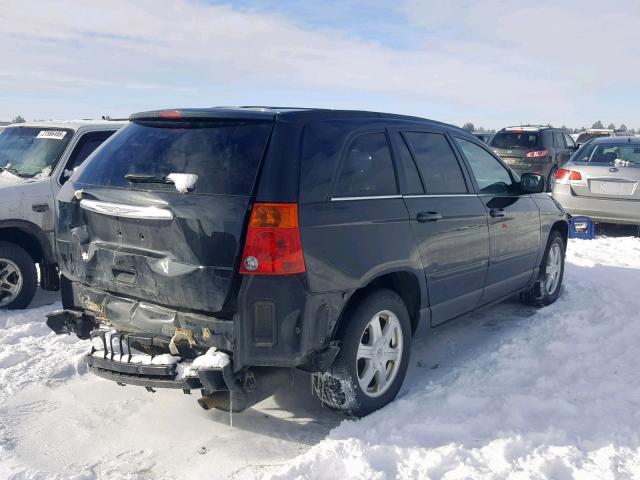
(32,151)
(515,140)
(222,157)
(618,154)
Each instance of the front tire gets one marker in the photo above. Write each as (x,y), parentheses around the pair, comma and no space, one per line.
(18,277)
(375,349)
(547,289)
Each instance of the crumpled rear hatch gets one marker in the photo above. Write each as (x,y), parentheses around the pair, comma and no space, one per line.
(157,214)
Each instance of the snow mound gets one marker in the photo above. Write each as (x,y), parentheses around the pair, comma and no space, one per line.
(31,353)
(558,398)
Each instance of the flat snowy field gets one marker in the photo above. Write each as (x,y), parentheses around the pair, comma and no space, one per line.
(511,392)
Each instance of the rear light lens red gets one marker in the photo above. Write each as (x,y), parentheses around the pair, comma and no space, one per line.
(170,114)
(565,176)
(273,245)
(537,153)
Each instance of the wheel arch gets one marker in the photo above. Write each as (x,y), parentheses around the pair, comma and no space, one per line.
(30,237)
(405,283)
(563,228)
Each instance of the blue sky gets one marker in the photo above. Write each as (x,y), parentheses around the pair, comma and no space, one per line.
(492,62)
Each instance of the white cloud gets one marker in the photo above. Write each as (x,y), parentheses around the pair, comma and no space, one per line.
(532,62)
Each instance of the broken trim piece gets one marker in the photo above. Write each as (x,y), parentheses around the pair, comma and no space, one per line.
(126,211)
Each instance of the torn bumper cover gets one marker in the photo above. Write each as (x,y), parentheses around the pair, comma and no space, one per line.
(120,357)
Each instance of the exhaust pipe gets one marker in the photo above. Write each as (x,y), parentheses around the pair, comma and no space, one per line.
(255,386)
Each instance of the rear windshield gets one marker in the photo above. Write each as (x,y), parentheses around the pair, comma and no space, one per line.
(515,140)
(32,151)
(224,155)
(619,155)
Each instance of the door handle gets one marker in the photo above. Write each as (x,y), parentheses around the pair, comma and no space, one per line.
(497,212)
(424,217)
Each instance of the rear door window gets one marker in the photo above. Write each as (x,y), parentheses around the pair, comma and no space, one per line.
(367,169)
(559,140)
(224,155)
(491,176)
(437,163)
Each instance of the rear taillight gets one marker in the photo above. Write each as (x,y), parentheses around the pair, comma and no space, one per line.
(565,176)
(273,245)
(537,153)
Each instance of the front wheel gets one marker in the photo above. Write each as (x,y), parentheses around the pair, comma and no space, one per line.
(18,277)
(375,348)
(547,289)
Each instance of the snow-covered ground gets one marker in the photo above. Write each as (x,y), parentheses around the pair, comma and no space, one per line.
(511,392)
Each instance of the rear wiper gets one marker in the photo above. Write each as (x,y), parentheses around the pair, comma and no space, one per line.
(184,182)
(137,178)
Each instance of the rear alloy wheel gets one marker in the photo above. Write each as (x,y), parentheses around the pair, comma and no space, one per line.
(375,348)
(18,277)
(547,289)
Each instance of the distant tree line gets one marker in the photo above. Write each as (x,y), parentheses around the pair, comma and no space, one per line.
(470,127)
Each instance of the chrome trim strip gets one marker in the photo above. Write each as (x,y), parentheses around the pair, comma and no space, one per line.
(379,197)
(126,211)
(441,196)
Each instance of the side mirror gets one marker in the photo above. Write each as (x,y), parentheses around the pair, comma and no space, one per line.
(532,183)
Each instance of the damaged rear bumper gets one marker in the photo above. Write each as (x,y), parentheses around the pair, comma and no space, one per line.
(114,356)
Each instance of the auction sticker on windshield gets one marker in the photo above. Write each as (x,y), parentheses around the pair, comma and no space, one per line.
(52,134)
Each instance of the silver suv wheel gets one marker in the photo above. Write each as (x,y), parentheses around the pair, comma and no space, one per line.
(379,353)
(10,281)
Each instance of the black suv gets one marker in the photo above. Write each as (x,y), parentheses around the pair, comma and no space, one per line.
(535,149)
(218,249)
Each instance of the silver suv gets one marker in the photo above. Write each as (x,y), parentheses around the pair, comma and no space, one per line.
(36,159)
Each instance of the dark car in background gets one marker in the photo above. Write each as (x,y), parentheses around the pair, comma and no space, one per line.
(218,249)
(484,136)
(592,133)
(536,149)
(602,181)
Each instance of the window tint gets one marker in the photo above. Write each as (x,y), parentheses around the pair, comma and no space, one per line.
(367,169)
(224,155)
(412,177)
(437,163)
(85,147)
(490,175)
(569,141)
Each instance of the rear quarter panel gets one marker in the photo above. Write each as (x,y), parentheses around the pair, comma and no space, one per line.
(550,213)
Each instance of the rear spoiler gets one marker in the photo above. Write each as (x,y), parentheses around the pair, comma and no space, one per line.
(204,114)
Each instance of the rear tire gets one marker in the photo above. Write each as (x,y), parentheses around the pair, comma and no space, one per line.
(374,355)
(547,288)
(18,277)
